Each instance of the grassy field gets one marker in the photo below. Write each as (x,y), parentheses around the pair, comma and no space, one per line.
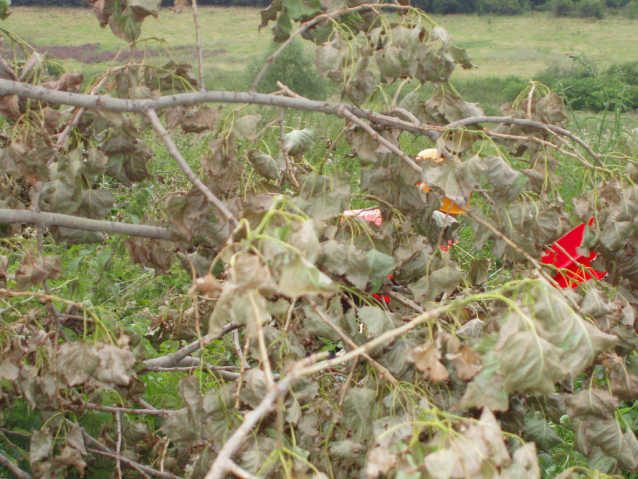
(500,46)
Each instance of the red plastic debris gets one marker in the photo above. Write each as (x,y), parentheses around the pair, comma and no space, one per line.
(369,215)
(574,267)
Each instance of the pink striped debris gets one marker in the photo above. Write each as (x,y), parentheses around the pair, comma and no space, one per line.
(369,215)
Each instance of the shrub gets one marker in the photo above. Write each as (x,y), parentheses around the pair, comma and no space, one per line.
(500,7)
(294,68)
(625,72)
(562,8)
(631,11)
(591,9)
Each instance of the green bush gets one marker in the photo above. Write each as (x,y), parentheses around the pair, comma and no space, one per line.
(294,68)
(625,72)
(591,9)
(562,8)
(500,7)
(631,10)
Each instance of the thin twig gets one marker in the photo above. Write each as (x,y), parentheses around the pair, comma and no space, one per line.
(118,445)
(505,120)
(101,449)
(346,339)
(126,410)
(237,346)
(192,177)
(222,463)
(198,37)
(375,135)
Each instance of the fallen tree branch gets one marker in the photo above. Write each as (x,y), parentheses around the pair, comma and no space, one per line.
(102,450)
(8,463)
(506,120)
(192,177)
(76,222)
(346,339)
(172,360)
(223,462)
(95,102)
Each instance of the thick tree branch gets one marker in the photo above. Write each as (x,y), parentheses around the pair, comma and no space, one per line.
(19,473)
(93,102)
(192,177)
(68,221)
(172,360)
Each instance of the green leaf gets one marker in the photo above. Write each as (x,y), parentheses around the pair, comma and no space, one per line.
(302,10)
(432,285)
(96,204)
(537,429)
(381,264)
(4,9)
(125,27)
(264,164)
(298,142)
(282,28)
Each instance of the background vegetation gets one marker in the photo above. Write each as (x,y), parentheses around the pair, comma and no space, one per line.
(130,301)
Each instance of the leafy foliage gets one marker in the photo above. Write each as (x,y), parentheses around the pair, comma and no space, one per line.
(447,361)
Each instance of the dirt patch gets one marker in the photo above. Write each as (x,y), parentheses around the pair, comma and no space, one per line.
(90,53)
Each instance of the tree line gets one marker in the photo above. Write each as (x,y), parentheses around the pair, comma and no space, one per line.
(583,8)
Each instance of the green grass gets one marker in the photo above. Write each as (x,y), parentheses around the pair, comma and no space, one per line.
(501,46)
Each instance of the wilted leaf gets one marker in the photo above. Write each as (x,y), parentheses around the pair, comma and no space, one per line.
(246,126)
(35,269)
(432,285)
(115,366)
(376,320)
(78,361)
(298,142)
(591,402)
(359,411)
(41,445)
(300,277)
(426,359)
(255,387)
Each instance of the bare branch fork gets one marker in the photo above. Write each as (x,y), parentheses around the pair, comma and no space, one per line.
(76,222)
